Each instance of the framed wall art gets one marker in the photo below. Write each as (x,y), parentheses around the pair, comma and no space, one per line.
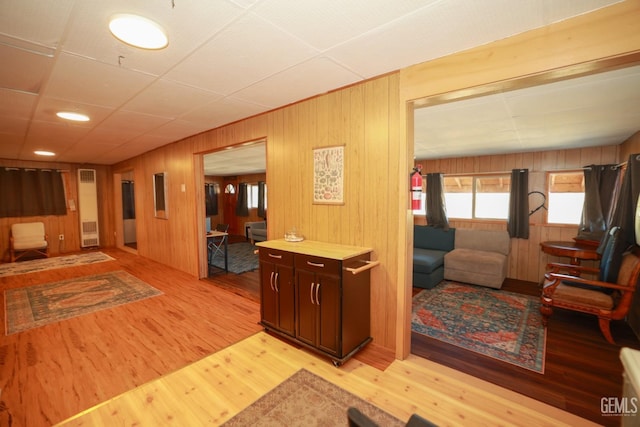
(328,175)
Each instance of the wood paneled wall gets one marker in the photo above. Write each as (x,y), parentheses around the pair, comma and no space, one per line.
(373,121)
(64,224)
(526,261)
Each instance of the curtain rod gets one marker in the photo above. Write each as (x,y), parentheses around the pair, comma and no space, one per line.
(523,169)
(9,168)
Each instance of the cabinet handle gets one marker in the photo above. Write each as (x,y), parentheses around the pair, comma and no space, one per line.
(275,256)
(275,282)
(271,281)
(311,293)
(315,264)
(317,289)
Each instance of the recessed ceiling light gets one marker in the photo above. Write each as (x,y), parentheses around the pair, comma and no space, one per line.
(76,117)
(44,153)
(138,31)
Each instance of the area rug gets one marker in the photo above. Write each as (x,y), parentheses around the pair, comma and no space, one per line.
(306,399)
(241,258)
(39,305)
(42,264)
(495,323)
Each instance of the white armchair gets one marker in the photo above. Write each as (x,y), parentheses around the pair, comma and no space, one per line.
(28,238)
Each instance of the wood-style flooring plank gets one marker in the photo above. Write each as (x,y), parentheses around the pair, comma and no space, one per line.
(216,388)
(52,372)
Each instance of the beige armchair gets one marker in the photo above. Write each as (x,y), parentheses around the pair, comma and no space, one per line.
(257,231)
(28,238)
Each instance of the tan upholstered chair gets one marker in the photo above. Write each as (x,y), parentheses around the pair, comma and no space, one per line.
(607,300)
(28,238)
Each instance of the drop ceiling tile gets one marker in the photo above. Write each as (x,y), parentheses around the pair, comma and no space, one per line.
(440,29)
(222,111)
(52,136)
(310,78)
(169,99)
(41,22)
(132,122)
(188,24)
(330,22)
(244,53)
(10,145)
(91,82)
(14,127)
(27,72)
(177,129)
(554,11)
(16,105)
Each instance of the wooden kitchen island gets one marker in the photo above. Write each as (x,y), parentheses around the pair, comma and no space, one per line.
(316,294)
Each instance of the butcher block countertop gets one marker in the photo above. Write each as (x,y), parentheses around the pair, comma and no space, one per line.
(314,248)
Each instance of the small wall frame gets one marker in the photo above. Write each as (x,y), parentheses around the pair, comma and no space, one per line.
(328,175)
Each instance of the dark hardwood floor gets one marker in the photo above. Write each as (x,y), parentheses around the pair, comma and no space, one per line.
(580,368)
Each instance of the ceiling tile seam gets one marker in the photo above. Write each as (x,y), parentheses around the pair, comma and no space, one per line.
(28,49)
(281,71)
(43,87)
(242,13)
(512,121)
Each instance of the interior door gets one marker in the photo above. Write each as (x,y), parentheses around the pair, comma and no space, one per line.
(230,200)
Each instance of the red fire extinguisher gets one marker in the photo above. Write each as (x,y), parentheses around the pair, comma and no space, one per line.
(416,188)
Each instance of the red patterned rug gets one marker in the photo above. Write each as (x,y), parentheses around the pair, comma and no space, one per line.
(40,305)
(499,324)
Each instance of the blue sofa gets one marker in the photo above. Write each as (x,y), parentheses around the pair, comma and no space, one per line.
(430,245)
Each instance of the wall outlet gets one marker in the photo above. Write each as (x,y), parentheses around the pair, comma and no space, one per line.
(61,237)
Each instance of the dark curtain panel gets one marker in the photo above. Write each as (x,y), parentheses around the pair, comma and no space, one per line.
(31,192)
(242,208)
(599,183)
(624,217)
(211,192)
(128,202)
(262,212)
(625,209)
(436,211)
(518,221)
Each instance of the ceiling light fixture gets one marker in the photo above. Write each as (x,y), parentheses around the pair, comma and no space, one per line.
(76,117)
(138,31)
(44,153)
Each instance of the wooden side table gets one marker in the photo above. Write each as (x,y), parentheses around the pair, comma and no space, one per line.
(575,251)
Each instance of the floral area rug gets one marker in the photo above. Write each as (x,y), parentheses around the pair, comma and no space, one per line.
(40,305)
(306,399)
(499,324)
(31,266)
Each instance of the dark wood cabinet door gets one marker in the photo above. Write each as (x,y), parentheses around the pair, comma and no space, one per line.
(306,307)
(268,295)
(329,321)
(286,299)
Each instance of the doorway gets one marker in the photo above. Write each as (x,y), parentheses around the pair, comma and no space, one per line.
(228,168)
(125,211)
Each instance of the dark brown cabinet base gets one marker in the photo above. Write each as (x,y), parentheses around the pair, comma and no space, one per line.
(317,295)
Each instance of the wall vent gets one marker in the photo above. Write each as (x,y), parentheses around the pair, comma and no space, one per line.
(88,208)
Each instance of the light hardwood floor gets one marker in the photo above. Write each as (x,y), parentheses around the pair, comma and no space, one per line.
(196,355)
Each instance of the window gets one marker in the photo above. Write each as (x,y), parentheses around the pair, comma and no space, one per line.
(477,197)
(254,196)
(566,197)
